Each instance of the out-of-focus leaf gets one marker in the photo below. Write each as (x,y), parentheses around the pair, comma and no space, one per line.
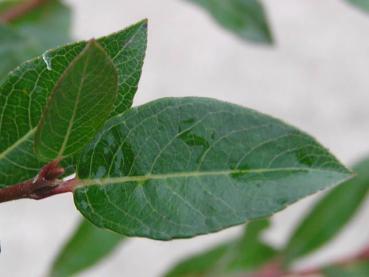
(79,104)
(358,269)
(245,18)
(38,30)
(239,256)
(362,4)
(15,48)
(48,25)
(85,248)
(330,214)
(181,167)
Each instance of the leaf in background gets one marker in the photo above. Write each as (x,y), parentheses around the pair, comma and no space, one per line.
(359,269)
(242,255)
(45,27)
(85,248)
(49,25)
(25,91)
(245,18)
(79,105)
(363,4)
(181,167)
(15,48)
(330,214)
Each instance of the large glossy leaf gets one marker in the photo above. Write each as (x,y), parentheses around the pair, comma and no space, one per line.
(242,255)
(362,4)
(245,18)
(87,246)
(24,94)
(181,167)
(29,35)
(79,105)
(330,214)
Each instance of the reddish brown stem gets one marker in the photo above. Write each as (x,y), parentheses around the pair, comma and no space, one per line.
(45,184)
(20,10)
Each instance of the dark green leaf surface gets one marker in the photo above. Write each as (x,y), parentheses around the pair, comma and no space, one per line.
(362,4)
(24,94)
(330,214)
(180,167)
(242,255)
(79,105)
(245,18)
(30,35)
(86,247)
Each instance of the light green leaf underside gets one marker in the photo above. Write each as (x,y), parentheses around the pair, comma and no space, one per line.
(245,18)
(362,4)
(240,256)
(180,167)
(87,246)
(25,91)
(322,224)
(79,105)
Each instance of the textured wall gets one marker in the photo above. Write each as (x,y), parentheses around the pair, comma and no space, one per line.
(316,77)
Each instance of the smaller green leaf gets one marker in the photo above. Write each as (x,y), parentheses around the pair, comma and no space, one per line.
(85,248)
(242,255)
(362,4)
(80,103)
(245,18)
(330,214)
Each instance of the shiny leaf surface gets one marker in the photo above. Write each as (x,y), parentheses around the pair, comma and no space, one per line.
(180,167)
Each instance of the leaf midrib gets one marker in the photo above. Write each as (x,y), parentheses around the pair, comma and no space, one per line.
(143,178)
(74,113)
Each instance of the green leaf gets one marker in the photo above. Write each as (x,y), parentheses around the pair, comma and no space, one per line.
(245,18)
(362,4)
(242,255)
(180,167)
(15,48)
(85,248)
(25,91)
(49,25)
(79,105)
(357,269)
(330,214)
(45,27)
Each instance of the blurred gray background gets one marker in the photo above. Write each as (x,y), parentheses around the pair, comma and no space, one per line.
(315,77)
